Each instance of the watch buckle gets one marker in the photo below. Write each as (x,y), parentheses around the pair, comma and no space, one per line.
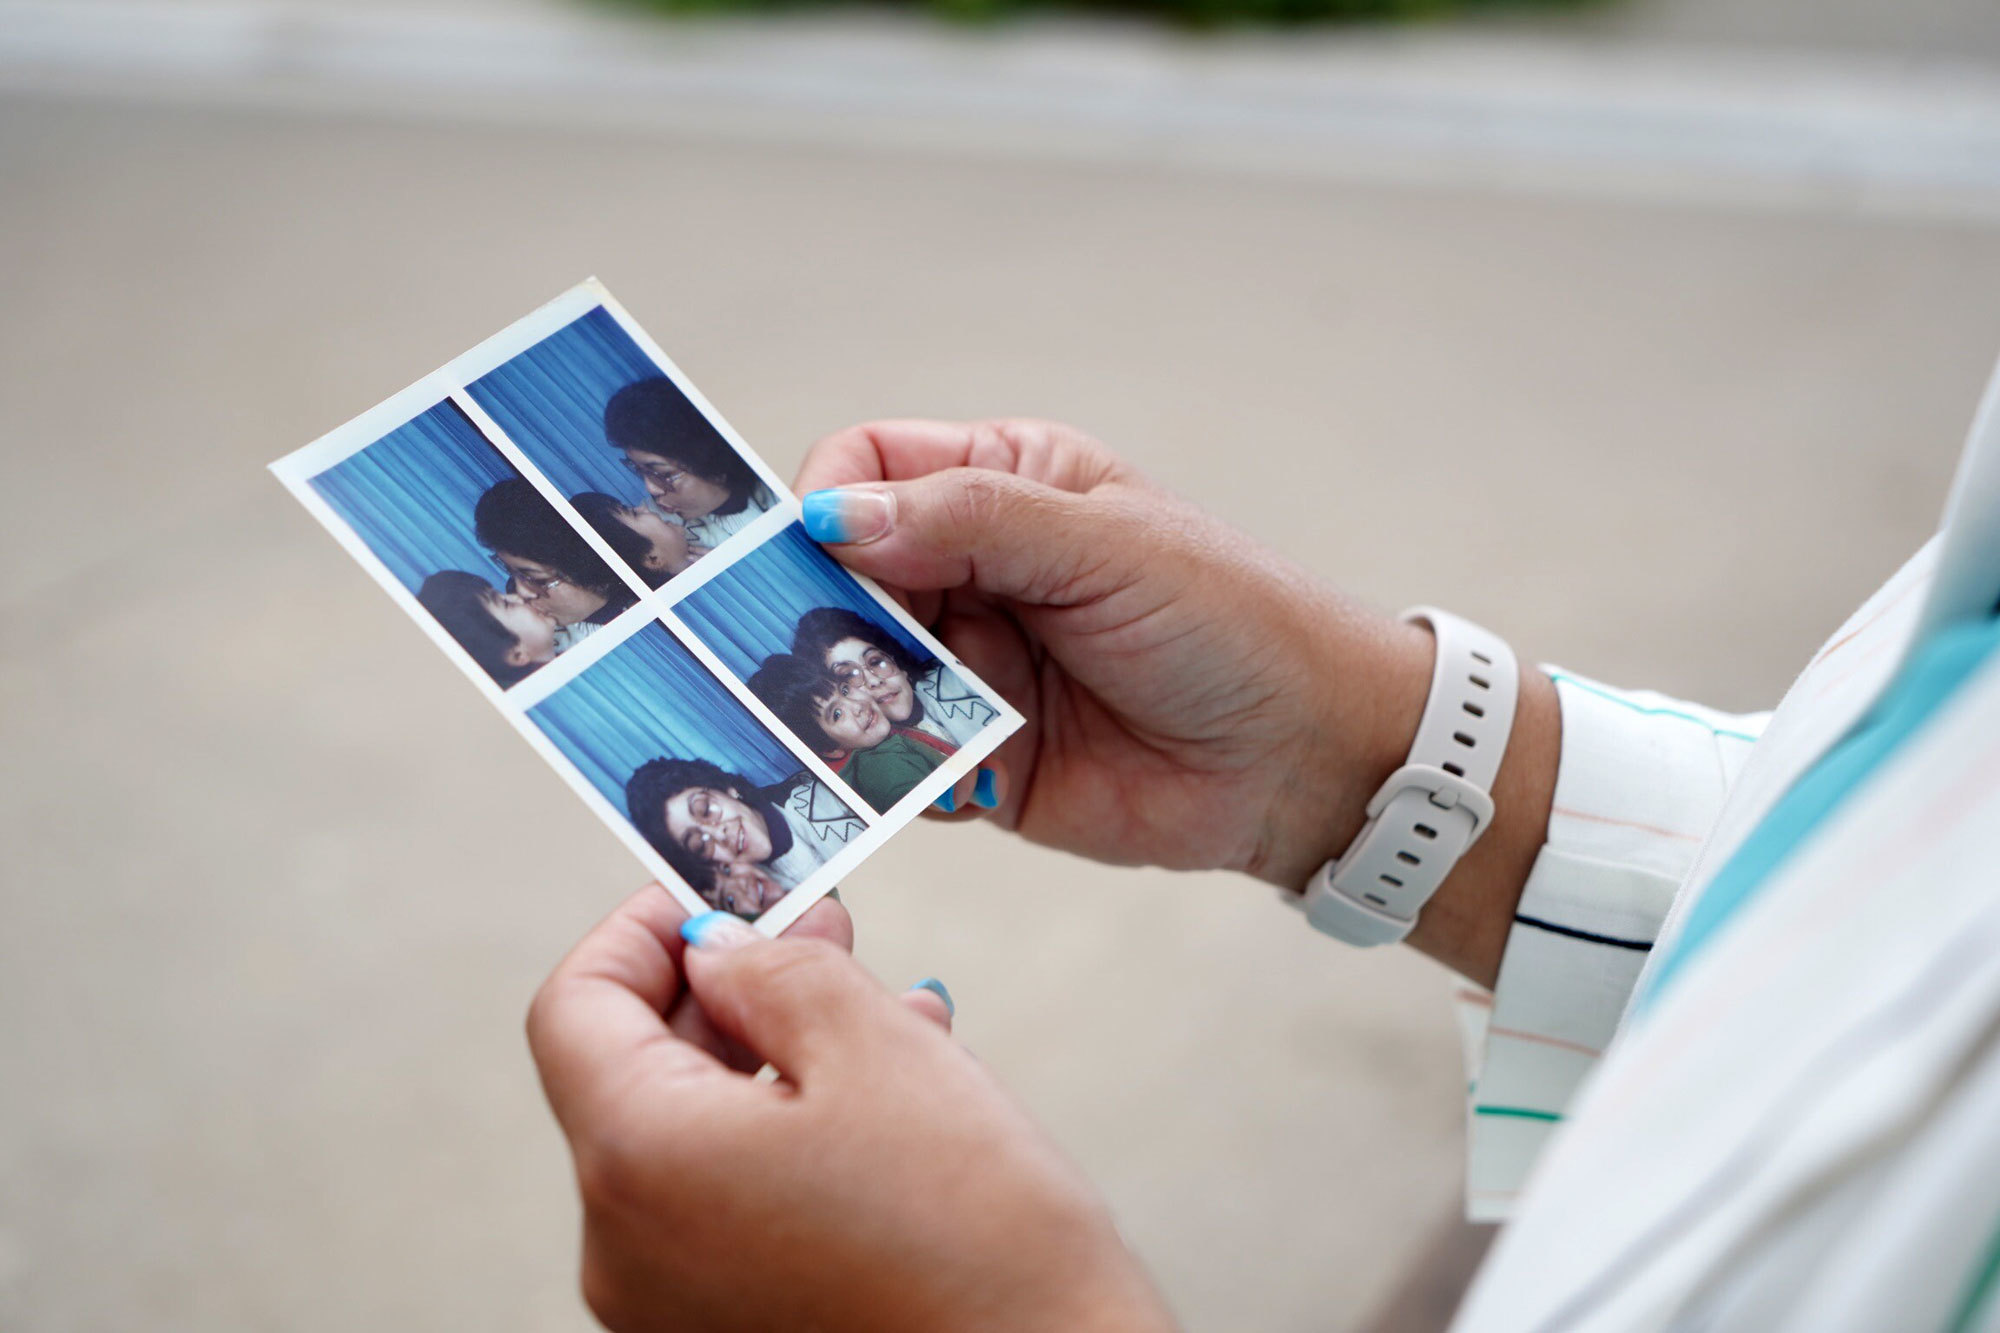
(1447,791)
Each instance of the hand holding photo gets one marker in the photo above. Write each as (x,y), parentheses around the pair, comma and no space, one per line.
(565,516)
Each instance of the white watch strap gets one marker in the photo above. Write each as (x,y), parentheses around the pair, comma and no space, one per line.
(1435,806)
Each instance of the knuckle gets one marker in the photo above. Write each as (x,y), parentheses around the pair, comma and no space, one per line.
(797,984)
(614,1160)
(1054,451)
(974,497)
(603,1176)
(603,1294)
(1032,440)
(536,1021)
(791,966)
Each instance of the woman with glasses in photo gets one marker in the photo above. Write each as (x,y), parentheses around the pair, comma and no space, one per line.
(740,845)
(920,693)
(690,473)
(553,568)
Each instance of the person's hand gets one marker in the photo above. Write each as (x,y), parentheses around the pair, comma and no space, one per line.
(1192,701)
(882,1182)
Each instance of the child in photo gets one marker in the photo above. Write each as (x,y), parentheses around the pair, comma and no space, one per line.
(691,474)
(552,565)
(845,726)
(502,631)
(919,693)
(653,547)
(742,887)
(711,824)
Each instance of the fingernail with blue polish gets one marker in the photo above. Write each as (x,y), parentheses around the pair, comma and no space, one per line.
(936,987)
(986,791)
(716,930)
(947,800)
(853,515)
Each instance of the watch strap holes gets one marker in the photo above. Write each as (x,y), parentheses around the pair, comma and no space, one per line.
(1426,831)
(1474,709)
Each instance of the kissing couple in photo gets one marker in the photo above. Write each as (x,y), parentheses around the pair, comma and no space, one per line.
(698,491)
(558,592)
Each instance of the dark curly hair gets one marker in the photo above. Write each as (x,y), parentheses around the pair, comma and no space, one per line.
(654,417)
(824,626)
(656,781)
(512,517)
(794,688)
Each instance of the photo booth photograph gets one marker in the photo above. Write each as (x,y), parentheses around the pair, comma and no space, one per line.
(488,558)
(635,456)
(724,802)
(837,669)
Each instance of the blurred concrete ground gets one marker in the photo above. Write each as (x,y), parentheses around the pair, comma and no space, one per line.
(278,886)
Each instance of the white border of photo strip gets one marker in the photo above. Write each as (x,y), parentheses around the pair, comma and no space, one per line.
(297,470)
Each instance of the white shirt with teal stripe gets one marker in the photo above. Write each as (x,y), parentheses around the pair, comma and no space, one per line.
(1741,1070)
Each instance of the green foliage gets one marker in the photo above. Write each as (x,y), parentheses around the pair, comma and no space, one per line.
(1193,13)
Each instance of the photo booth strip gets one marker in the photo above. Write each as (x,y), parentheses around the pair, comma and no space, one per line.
(543,378)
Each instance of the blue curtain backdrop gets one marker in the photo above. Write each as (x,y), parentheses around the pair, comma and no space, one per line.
(550,400)
(410,495)
(649,697)
(749,611)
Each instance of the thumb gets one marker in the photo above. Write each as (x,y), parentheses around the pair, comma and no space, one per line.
(1001,534)
(801,1004)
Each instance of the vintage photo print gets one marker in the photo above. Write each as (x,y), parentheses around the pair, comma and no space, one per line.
(638,460)
(722,801)
(752,730)
(488,559)
(832,663)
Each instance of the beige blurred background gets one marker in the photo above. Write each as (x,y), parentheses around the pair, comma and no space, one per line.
(1647,337)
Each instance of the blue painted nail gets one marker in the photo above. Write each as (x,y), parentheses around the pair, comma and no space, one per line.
(936,987)
(986,791)
(947,801)
(850,515)
(716,930)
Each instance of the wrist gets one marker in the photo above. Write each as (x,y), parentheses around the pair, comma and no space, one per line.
(1368,703)
(1369,679)
(1466,923)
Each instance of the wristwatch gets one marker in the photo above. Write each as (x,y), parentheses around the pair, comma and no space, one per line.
(1436,805)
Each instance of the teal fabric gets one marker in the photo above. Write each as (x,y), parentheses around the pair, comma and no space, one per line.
(1934,673)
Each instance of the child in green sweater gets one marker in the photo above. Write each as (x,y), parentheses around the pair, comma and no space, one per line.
(881,761)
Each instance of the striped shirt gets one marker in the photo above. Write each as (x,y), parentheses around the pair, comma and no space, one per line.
(1799,1129)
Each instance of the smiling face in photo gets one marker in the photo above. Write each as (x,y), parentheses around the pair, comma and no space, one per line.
(551,592)
(717,825)
(852,720)
(674,486)
(864,668)
(747,889)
